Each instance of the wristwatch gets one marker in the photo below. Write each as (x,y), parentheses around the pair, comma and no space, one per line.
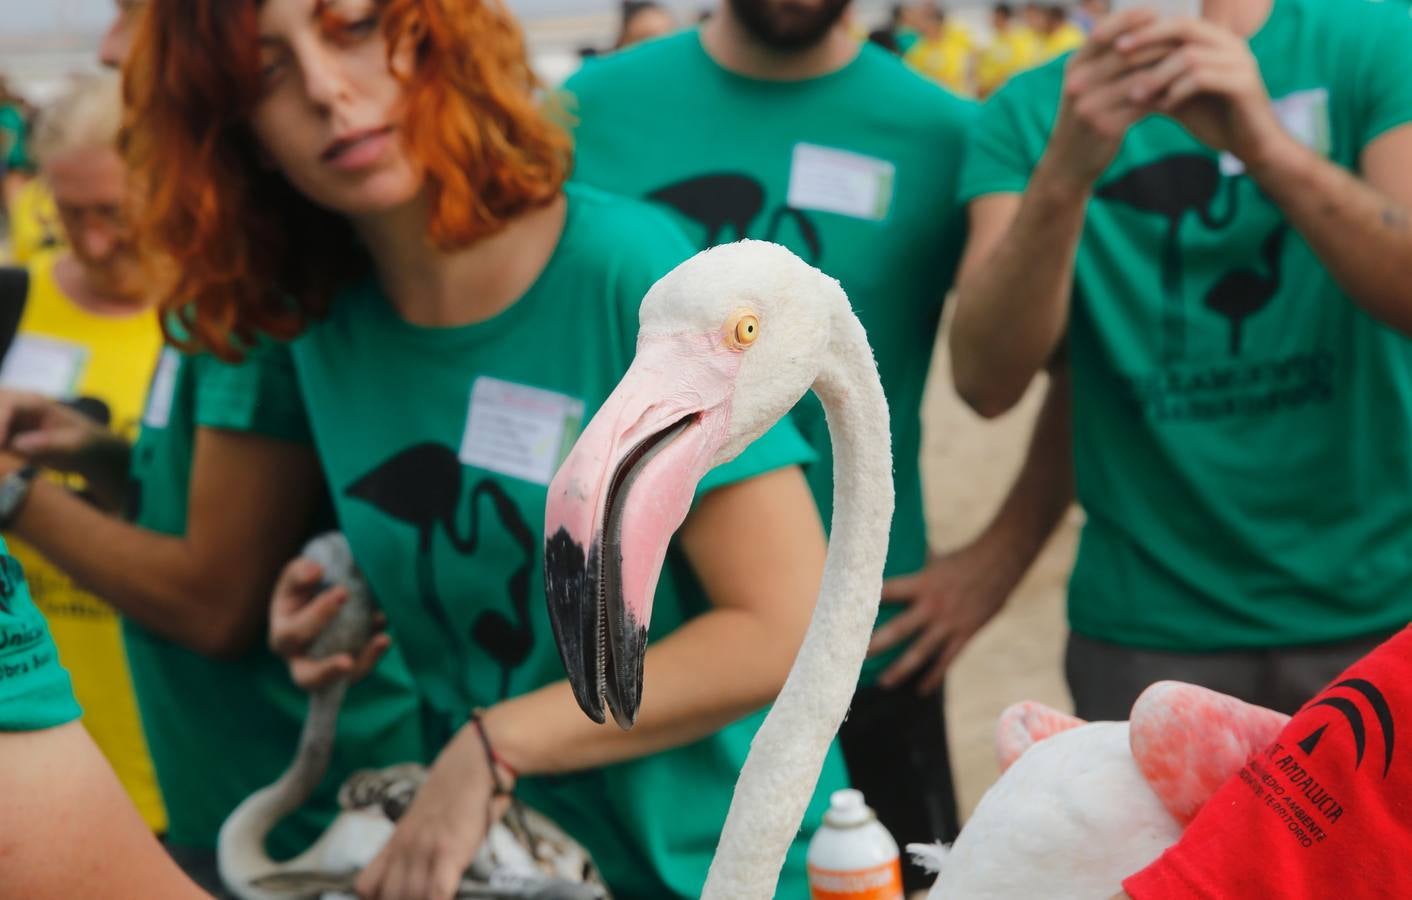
(14,490)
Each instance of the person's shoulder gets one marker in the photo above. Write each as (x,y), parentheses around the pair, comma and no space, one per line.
(1354,17)
(639,66)
(1037,88)
(909,93)
(1046,76)
(611,226)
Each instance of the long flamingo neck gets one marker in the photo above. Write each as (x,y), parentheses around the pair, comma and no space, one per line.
(241,845)
(782,770)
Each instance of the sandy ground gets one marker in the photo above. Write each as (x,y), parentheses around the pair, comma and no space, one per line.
(968,464)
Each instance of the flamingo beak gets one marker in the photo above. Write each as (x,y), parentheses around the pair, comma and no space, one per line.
(614,505)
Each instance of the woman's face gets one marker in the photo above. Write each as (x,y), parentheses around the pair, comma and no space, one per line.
(330,113)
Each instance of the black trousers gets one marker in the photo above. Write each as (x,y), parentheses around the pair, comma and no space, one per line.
(894,743)
(1106,679)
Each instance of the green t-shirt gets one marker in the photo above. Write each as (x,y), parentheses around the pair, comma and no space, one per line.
(439,444)
(14,151)
(855,171)
(219,729)
(1243,435)
(35,692)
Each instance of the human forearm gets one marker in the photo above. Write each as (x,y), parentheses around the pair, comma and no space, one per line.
(692,693)
(1362,237)
(156,580)
(1044,489)
(1012,305)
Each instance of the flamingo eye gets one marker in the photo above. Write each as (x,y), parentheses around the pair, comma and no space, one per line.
(742,330)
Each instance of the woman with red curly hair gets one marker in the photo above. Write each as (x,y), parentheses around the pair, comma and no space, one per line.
(183,534)
(378,178)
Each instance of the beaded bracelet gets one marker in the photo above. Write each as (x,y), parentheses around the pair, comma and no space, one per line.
(493,758)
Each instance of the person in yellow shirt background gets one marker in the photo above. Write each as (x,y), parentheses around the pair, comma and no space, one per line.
(944,49)
(34,224)
(1057,35)
(1013,47)
(89,334)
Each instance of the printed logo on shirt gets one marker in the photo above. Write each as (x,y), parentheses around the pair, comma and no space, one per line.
(1188,190)
(726,206)
(12,578)
(1343,698)
(421,487)
(1303,785)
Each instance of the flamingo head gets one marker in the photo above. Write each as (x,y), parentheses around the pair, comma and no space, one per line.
(728,342)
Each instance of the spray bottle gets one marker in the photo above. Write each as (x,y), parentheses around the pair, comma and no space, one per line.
(852,856)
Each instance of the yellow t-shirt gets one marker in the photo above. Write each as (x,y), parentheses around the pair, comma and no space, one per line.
(64,351)
(34,223)
(945,58)
(1065,38)
(1009,52)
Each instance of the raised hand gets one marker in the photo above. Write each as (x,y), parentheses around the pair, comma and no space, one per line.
(1210,82)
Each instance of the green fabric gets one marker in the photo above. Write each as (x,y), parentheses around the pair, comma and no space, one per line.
(219,730)
(655,116)
(35,692)
(1242,433)
(442,538)
(13,143)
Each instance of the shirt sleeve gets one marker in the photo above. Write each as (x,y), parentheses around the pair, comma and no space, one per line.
(259,395)
(35,691)
(1323,808)
(1008,136)
(1383,49)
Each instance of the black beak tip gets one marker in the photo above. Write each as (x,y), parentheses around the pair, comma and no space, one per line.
(625,678)
(572,617)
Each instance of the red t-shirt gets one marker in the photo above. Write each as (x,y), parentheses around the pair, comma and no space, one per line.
(1324,812)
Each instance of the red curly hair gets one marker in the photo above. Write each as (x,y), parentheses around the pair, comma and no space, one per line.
(243,252)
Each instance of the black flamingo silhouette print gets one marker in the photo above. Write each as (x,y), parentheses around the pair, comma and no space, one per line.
(732,200)
(1171,187)
(1241,293)
(11,577)
(421,486)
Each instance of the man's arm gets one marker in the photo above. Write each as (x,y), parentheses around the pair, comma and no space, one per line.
(1012,300)
(957,594)
(1012,304)
(1360,229)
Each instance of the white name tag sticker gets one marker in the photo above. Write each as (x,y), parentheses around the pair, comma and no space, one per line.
(43,365)
(1305,115)
(518,430)
(837,181)
(159,397)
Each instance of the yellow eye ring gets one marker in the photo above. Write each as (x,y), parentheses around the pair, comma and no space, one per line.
(742,330)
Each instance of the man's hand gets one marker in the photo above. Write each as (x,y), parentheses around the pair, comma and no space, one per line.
(1098,107)
(1210,82)
(299,612)
(949,601)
